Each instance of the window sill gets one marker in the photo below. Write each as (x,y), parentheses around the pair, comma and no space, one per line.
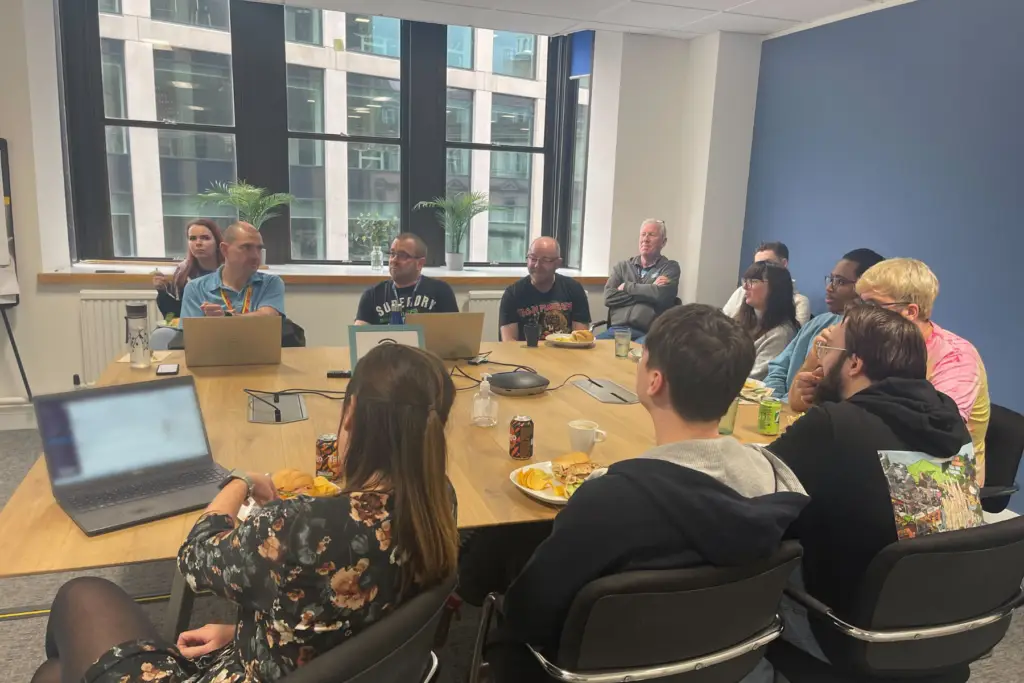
(117,274)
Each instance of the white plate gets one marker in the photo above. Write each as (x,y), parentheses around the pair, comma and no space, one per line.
(756,393)
(546,495)
(565,341)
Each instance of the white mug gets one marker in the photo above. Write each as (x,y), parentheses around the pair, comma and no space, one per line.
(583,434)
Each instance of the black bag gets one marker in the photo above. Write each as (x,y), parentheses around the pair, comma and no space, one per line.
(292,336)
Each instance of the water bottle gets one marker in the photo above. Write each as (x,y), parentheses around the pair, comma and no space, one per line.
(485,405)
(136,328)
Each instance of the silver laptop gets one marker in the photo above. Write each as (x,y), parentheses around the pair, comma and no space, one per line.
(237,340)
(450,335)
(124,455)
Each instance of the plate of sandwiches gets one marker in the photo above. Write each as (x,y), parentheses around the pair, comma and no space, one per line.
(754,390)
(555,481)
(579,339)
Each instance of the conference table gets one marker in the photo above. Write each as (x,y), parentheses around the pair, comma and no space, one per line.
(40,538)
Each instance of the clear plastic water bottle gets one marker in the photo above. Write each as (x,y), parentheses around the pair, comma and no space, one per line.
(136,324)
(485,405)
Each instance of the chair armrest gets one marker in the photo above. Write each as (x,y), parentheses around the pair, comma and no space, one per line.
(807,600)
(998,491)
(491,602)
(597,323)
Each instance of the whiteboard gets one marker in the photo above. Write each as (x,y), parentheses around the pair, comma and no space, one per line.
(9,290)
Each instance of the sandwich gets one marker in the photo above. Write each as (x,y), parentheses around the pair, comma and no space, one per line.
(582,336)
(571,470)
(291,483)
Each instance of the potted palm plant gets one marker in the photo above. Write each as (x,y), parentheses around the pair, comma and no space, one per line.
(254,204)
(454,213)
(375,231)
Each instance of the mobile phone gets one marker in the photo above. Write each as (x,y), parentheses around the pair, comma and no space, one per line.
(339,374)
(167,369)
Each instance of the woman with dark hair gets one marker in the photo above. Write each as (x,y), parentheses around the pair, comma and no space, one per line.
(306,573)
(203,258)
(768,312)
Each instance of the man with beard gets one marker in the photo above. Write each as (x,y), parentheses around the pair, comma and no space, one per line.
(882,453)
(553,302)
(408,290)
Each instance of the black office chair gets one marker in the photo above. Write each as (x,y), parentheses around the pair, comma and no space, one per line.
(926,608)
(698,625)
(1004,444)
(394,650)
(608,316)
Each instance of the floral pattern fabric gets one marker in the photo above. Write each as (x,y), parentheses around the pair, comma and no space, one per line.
(307,574)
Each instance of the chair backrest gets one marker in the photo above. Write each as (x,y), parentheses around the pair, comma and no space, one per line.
(646,618)
(394,650)
(1004,444)
(934,580)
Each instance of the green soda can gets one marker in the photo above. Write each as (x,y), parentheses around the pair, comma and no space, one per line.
(768,414)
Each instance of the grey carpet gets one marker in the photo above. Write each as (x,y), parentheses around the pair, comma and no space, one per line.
(21,641)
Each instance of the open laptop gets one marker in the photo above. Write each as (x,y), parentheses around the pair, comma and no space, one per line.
(235,340)
(450,335)
(124,455)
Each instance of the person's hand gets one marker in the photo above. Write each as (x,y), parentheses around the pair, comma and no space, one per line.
(661,281)
(203,641)
(212,310)
(622,286)
(160,281)
(263,489)
(805,384)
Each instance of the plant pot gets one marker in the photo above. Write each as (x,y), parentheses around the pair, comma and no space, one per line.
(376,259)
(453,261)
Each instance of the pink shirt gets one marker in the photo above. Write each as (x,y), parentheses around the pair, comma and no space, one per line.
(956,369)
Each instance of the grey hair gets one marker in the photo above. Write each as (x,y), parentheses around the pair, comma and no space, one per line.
(661,226)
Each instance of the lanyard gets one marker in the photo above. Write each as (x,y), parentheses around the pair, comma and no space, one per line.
(394,289)
(246,302)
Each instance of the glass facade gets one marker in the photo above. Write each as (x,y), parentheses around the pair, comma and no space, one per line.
(515,54)
(370,35)
(579,174)
(193,87)
(204,13)
(303,25)
(460,47)
(110,6)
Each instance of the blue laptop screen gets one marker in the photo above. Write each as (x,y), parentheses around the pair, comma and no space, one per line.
(90,436)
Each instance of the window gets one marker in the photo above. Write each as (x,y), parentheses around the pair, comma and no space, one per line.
(512,120)
(205,13)
(373,106)
(193,87)
(460,47)
(515,54)
(303,25)
(373,35)
(110,6)
(579,173)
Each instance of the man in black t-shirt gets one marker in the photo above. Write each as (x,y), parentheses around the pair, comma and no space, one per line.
(554,302)
(408,290)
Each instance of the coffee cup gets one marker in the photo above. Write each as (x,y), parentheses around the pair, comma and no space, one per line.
(583,434)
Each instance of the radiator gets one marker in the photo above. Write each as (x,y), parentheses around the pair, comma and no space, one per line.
(487,301)
(102,318)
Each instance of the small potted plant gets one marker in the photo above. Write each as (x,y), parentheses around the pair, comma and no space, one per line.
(454,213)
(375,231)
(254,204)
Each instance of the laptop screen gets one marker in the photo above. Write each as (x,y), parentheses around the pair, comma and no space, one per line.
(92,435)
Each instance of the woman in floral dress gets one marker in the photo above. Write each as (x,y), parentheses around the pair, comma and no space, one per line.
(306,573)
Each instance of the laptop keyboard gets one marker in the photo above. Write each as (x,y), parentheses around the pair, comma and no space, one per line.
(147,489)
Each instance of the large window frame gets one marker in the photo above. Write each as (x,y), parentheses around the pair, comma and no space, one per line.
(261,132)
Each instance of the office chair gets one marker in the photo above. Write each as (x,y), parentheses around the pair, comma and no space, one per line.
(394,650)
(1004,444)
(608,316)
(697,625)
(926,608)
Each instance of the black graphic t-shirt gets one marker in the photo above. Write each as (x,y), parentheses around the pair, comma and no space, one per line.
(429,296)
(554,311)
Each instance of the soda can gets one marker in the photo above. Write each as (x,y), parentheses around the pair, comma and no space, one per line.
(768,414)
(328,464)
(520,437)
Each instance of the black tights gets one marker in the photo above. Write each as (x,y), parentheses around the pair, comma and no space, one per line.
(89,616)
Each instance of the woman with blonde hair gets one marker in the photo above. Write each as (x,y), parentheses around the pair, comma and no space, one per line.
(306,573)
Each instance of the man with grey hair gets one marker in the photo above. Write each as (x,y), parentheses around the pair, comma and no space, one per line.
(555,303)
(642,287)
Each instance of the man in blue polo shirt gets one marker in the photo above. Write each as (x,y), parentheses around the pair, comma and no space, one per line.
(237,287)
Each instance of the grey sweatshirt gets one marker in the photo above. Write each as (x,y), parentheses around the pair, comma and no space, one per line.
(640,301)
(769,345)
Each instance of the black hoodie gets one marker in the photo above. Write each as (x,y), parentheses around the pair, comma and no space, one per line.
(644,513)
(836,451)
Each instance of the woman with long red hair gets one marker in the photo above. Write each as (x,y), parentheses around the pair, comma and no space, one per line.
(203,257)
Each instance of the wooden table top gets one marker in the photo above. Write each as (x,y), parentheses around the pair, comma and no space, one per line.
(40,538)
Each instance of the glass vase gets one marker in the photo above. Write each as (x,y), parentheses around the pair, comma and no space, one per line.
(376,259)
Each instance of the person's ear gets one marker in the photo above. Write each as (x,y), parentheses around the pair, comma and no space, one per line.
(558,263)
(855,368)
(656,383)
(224,249)
(913,312)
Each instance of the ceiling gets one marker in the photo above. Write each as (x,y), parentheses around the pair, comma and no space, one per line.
(671,18)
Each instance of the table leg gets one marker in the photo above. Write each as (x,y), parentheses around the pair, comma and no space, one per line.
(179,609)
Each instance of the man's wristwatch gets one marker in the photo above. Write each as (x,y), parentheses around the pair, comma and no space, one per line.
(241,476)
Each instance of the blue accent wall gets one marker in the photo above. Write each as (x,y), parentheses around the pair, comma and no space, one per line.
(902,130)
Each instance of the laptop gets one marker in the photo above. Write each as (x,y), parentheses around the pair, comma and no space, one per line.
(124,455)
(450,335)
(235,340)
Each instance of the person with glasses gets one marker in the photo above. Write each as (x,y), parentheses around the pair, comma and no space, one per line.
(840,290)
(555,303)
(767,313)
(883,454)
(909,287)
(237,287)
(642,287)
(778,254)
(408,290)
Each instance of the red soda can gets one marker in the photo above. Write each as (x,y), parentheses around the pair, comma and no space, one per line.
(520,437)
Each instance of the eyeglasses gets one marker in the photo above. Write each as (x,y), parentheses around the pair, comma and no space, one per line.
(546,260)
(401,255)
(837,281)
(750,282)
(879,304)
(821,350)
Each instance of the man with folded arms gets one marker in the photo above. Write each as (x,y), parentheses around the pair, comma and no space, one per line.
(555,303)
(237,287)
(883,454)
(696,498)
(778,254)
(840,290)
(408,290)
(642,287)
(954,366)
